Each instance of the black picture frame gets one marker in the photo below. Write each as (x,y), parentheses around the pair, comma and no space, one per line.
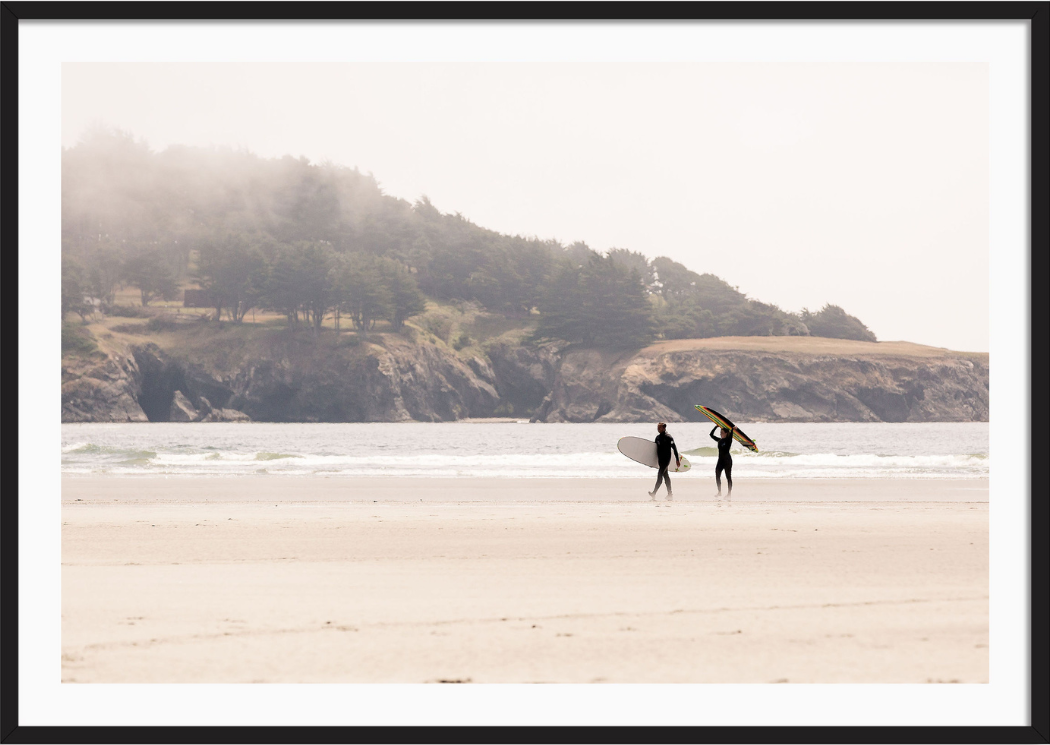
(12,13)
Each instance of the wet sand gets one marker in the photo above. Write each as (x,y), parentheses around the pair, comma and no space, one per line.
(288,579)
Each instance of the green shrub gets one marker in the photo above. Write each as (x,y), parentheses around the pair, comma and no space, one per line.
(77,340)
(462,341)
(833,322)
(130,328)
(127,311)
(439,325)
(160,323)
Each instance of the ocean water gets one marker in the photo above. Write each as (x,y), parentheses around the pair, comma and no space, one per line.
(516,450)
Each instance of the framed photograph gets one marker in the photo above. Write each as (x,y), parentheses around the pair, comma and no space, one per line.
(678,358)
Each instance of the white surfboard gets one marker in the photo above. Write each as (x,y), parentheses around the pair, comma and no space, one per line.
(644,451)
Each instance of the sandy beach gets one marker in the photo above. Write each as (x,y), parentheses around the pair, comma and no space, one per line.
(306,579)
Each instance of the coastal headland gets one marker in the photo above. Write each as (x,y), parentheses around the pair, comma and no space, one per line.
(198,371)
(343,303)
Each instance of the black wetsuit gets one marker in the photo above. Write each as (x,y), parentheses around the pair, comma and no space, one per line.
(725,460)
(664,446)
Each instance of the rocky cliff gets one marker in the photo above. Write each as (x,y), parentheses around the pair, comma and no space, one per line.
(293,378)
(105,389)
(781,380)
(401,382)
(289,381)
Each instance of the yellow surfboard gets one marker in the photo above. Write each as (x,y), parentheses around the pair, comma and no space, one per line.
(722,421)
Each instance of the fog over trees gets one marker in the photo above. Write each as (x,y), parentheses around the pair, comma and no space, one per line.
(319,240)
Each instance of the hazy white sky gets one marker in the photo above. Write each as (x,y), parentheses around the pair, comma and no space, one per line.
(863,185)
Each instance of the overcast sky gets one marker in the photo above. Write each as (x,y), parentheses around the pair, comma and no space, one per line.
(862,185)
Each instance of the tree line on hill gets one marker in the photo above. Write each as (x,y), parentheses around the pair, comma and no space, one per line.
(316,241)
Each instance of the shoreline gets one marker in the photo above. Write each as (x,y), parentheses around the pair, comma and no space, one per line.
(687,488)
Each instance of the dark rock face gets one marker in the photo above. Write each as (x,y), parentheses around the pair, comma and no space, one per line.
(146,385)
(589,387)
(102,391)
(523,376)
(755,386)
(405,383)
(225,415)
(164,377)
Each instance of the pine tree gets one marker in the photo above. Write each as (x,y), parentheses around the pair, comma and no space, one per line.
(602,303)
(405,298)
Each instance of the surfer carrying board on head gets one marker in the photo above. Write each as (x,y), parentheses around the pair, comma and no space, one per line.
(664,446)
(725,460)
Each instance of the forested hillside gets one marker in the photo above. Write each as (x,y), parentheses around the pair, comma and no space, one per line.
(320,242)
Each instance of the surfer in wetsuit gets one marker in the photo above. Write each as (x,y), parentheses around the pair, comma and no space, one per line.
(725,460)
(664,446)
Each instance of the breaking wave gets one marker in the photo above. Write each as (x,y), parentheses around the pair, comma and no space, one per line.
(508,451)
